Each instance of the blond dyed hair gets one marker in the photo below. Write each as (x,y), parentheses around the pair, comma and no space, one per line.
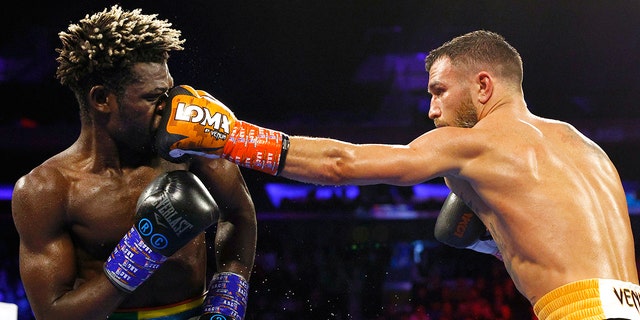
(101,48)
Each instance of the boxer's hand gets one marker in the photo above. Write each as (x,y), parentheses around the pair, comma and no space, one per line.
(193,122)
(172,210)
(457,225)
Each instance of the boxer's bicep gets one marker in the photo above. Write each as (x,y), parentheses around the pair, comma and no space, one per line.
(46,251)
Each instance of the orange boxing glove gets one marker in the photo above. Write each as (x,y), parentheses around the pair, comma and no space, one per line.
(195,123)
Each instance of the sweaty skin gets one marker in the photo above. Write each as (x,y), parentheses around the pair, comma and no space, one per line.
(552,199)
(72,210)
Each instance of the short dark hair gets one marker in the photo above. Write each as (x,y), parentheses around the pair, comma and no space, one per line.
(480,47)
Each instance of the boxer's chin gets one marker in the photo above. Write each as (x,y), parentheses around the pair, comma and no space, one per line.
(439,123)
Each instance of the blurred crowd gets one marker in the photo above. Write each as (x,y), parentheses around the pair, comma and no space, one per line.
(313,269)
(11,290)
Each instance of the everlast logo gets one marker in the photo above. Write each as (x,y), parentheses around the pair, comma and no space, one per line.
(201,115)
(462,225)
(628,297)
(168,212)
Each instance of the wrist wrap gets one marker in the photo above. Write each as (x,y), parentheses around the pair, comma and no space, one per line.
(256,148)
(132,262)
(228,294)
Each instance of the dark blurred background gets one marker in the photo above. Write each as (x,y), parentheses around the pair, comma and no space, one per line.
(351,70)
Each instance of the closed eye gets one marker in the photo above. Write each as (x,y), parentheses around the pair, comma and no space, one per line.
(435,88)
(157,98)
(436,91)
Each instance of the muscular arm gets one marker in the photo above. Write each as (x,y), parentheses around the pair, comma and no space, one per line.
(47,255)
(334,162)
(235,243)
(311,160)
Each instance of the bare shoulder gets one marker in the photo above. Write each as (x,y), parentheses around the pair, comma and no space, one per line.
(561,133)
(215,172)
(42,181)
(458,144)
(223,179)
(40,196)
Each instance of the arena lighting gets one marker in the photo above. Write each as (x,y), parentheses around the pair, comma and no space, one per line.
(426,191)
(5,192)
(280,191)
(422,192)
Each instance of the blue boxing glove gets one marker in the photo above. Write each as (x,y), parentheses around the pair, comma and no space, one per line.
(172,210)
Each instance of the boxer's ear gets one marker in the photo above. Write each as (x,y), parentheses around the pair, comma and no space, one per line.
(485,86)
(99,99)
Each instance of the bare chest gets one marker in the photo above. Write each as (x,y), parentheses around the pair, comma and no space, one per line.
(102,209)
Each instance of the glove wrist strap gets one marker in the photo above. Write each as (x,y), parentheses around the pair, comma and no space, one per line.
(132,262)
(228,294)
(256,148)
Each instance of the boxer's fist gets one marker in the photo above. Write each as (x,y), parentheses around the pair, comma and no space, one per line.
(172,210)
(457,225)
(193,122)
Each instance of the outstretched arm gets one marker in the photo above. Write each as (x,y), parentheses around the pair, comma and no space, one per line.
(195,123)
(334,162)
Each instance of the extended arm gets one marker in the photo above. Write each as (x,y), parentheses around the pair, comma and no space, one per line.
(194,123)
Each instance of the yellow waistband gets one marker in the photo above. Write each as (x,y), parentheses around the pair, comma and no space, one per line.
(590,299)
(180,310)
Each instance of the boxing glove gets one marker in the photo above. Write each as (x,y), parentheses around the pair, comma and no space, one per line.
(226,298)
(172,210)
(457,225)
(195,123)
